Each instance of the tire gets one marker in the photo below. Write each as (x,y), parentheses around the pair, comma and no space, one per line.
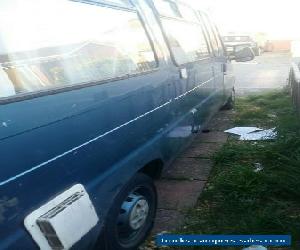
(230,101)
(118,233)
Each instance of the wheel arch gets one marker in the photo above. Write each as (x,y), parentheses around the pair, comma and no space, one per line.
(153,169)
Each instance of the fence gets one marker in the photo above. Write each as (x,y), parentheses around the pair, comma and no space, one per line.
(294,84)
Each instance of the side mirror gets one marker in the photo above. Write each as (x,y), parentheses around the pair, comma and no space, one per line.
(243,54)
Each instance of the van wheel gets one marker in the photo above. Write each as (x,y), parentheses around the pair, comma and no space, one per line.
(132,216)
(230,102)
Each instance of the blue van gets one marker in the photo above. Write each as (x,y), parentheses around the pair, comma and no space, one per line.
(97,97)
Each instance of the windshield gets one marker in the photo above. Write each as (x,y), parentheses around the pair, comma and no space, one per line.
(237,39)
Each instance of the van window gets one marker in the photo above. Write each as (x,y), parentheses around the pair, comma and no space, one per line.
(122,3)
(61,43)
(186,40)
(213,37)
(188,13)
(167,8)
(210,35)
(219,40)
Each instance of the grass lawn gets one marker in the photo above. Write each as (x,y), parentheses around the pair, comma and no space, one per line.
(238,200)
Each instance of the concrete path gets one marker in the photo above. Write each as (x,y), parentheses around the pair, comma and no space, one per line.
(180,186)
(266,72)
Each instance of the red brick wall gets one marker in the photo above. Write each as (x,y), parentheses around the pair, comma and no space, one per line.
(278,45)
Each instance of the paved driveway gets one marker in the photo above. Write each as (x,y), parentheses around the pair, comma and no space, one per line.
(265,72)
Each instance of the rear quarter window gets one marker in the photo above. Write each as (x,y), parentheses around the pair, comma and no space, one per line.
(186,41)
(211,35)
(183,31)
(57,43)
(167,8)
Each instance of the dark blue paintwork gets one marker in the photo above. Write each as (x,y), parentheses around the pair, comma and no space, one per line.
(101,135)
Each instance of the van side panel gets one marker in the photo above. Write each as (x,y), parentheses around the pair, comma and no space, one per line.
(98,135)
(89,142)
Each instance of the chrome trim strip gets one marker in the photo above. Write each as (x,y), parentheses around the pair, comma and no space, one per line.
(198,86)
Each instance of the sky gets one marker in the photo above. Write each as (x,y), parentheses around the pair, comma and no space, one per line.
(278,18)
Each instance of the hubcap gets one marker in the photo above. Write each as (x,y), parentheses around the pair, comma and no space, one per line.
(136,216)
(139,214)
(134,213)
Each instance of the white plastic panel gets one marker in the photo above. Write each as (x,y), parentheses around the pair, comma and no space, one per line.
(71,214)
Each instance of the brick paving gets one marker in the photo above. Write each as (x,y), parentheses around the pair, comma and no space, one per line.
(182,184)
(201,150)
(189,168)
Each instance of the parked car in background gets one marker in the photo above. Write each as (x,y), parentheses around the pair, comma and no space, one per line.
(239,41)
(96,99)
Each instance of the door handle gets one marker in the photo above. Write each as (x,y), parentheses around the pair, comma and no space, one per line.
(183,73)
(195,127)
(224,68)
